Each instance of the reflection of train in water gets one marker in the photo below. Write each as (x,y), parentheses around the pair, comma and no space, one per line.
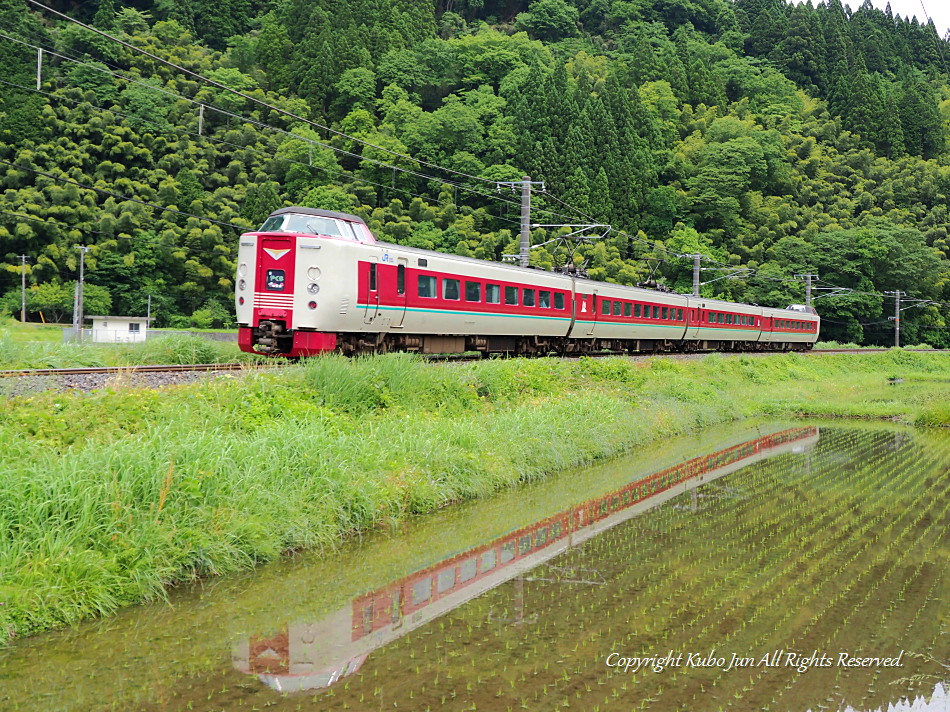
(306,656)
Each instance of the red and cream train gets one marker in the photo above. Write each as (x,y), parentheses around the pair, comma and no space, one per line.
(312,281)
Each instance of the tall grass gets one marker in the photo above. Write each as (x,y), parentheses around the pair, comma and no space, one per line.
(172,349)
(121,494)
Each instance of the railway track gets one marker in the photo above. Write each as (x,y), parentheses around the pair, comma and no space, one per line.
(115,370)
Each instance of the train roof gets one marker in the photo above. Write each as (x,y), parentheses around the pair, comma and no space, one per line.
(300,210)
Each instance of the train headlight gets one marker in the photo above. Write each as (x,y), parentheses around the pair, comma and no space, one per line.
(242,269)
(313,272)
(312,305)
(242,285)
(313,288)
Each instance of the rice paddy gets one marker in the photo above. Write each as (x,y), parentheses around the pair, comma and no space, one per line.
(743,557)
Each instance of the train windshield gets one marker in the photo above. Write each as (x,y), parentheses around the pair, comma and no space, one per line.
(307,225)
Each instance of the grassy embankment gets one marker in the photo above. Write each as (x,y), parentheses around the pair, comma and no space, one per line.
(107,498)
(41,346)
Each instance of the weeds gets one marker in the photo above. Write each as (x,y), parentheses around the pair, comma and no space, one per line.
(124,493)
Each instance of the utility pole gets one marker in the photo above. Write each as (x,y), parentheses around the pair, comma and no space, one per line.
(807,277)
(696,258)
(79,289)
(39,69)
(23,259)
(525,253)
(525,183)
(897,315)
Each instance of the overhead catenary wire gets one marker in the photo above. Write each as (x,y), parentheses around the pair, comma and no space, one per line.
(346,174)
(248,97)
(263,125)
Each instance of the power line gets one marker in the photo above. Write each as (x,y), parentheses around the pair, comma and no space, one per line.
(213,139)
(251,98)
(264,125)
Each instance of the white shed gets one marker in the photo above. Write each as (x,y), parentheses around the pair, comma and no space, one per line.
(119,329)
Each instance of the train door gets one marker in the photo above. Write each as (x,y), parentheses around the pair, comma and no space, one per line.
(402,294)
(694,317)
(371,310)
(595,310)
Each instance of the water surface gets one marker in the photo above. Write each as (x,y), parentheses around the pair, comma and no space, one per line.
(750,567)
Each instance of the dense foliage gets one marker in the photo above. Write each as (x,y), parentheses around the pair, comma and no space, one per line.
(788,139)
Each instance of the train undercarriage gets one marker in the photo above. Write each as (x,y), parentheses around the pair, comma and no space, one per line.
(273,339)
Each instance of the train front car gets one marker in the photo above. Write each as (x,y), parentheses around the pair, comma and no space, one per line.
(290,298)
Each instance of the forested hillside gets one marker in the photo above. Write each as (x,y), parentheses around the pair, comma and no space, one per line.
(782,139)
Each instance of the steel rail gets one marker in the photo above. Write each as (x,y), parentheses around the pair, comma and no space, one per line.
(168,368)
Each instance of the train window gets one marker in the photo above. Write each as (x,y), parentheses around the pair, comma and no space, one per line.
(372,277)
(627,309)
(507,551)
(401,279)
(347,230)
(527,297)
(558,300)
(666,313)
(492,293)
(679,315)
(605,306)
(427,286)
(488,560)
(720,318)
(656,312)
(397,606)
(524,544)
(541,536)
(636,310)
(544,299)
(555,530)
(272,224)
(313,225)
(728,318)
(616,308)
(511,295)
(467,570)
(473,292)
(446,580)
(421,591)
(368,619)
(450,288)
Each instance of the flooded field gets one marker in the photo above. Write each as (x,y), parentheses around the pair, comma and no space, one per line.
(780,566)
